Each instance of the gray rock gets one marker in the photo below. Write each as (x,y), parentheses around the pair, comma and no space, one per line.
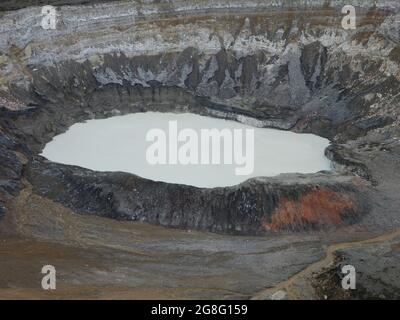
(2,210)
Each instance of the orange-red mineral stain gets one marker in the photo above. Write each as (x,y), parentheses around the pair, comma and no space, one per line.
(322,207)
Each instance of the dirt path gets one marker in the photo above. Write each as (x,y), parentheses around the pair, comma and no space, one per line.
(289,286)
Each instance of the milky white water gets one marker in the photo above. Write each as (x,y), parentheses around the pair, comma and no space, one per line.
(119,144)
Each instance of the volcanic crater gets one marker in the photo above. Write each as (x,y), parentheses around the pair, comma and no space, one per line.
(289,66)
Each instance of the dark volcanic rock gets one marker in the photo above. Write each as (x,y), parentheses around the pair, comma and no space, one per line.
(10,169)
(345,161)
(377,269)
(2,210)
(253,207)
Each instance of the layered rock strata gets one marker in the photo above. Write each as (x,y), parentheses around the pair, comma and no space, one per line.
(287,65)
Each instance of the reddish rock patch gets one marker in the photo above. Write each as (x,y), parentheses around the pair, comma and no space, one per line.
(320,207)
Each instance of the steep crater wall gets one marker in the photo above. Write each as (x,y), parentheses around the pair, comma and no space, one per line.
(287,66)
